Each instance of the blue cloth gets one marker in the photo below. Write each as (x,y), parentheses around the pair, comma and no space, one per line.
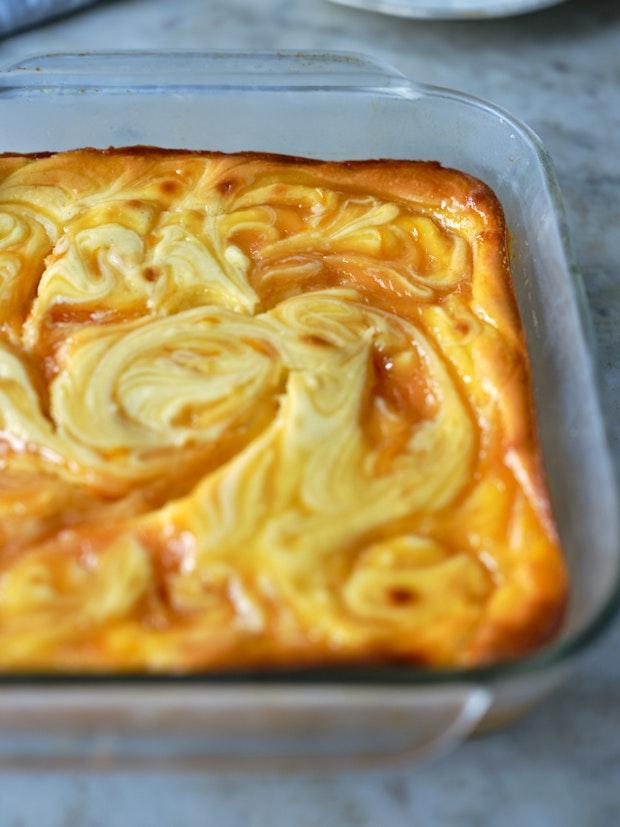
(17,14)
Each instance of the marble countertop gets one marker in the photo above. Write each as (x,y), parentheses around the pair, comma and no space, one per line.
(559,70)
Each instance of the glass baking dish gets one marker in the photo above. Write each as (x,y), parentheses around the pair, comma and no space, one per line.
(335,106)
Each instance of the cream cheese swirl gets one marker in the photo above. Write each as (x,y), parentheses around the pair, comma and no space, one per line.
(249,415)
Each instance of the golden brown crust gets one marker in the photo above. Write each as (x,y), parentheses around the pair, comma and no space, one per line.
(296,393)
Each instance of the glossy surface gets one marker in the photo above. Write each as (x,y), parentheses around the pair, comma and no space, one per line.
(261,411)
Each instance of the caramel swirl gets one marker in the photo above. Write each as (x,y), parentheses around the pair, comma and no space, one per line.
(259,411)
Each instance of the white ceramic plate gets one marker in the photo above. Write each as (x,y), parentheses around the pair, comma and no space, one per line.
(449,9)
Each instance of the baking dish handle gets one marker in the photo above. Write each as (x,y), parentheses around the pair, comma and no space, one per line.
(143,70)
(214,726)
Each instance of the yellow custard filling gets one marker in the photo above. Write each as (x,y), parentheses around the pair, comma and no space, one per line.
(257,411)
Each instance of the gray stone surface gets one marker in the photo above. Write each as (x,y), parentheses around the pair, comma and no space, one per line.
(560,71)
